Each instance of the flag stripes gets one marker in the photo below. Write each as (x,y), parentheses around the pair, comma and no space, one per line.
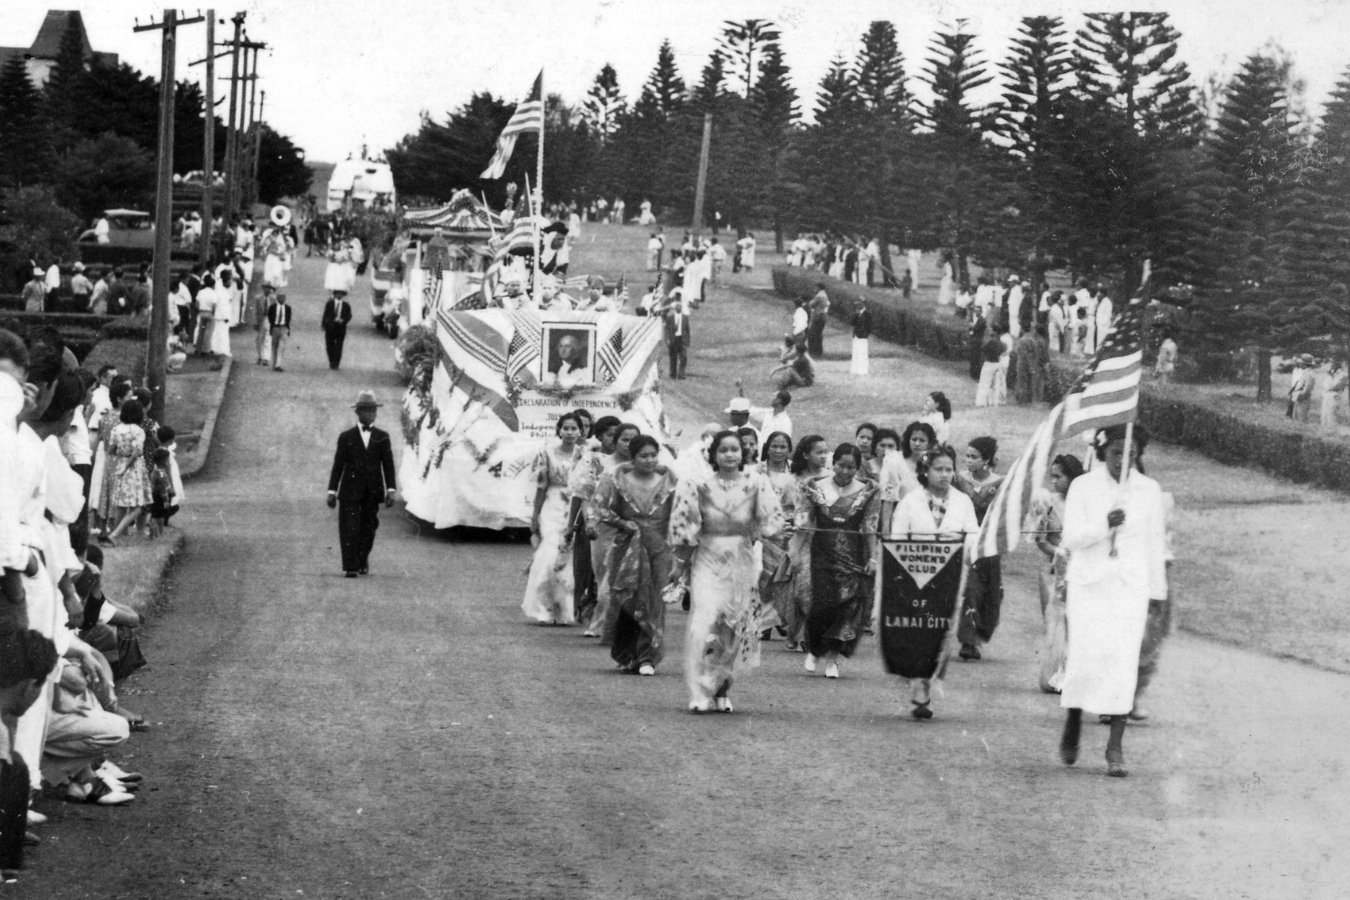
(528,117)
(1107,393)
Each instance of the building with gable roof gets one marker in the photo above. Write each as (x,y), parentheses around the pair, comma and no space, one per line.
(41,56)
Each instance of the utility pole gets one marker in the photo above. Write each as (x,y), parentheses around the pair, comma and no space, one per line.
(209,141)
(702,173)
(246,196)
(231,135)
(257,146)
(158,351)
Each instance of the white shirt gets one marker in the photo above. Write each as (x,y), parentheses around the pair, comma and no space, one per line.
(800,320)
(75,443)
(364,431)
(771,421)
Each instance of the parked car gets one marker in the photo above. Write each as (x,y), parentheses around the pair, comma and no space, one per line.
(126,228)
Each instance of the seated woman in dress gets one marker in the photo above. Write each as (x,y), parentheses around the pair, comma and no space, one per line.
(714,526)
(937,511)
(636,500)
(841,513)
(548,591)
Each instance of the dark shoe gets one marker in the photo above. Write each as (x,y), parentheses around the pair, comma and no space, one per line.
(970,652)
(766,634)
(278,369)
(1115,764)
(349,574)
(364,570)
(1068,741)
(921,711)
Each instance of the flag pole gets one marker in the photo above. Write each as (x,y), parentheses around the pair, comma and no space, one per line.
(539,186)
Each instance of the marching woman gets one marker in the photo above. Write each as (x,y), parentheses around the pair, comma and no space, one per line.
(606,615)
(1114,532)
(841,514)
(636,501)
(939,511)
(808,464)
(775,577)
(984,588)
(335,274)
(548,592)
(714,526)
(582,482)
(1054,590)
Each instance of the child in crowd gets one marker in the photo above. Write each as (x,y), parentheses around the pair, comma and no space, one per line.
(162,506)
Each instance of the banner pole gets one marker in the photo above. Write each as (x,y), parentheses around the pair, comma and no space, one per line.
(539,186)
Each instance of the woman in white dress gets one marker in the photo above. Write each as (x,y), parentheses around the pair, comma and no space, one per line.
(221,320)
(1115,534)
(747,245)
(335,274)
(939,510)
(714,526)
(548,592)
(947,288)
(355,256)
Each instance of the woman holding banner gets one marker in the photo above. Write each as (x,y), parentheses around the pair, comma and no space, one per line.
(841,514)
(939,512)
(714,526)
(548,592)
(1115,532)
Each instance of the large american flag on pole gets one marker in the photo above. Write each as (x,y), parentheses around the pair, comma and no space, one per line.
(528,117)
(1107,393)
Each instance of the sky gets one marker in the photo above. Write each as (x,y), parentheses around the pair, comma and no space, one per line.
(343,73)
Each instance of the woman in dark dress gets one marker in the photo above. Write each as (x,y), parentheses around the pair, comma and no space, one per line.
(984,586)
(637,502)
(842,511)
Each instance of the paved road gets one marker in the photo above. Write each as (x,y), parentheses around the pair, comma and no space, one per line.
(409,735)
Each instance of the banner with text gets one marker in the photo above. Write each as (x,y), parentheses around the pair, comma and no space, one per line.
(920,599)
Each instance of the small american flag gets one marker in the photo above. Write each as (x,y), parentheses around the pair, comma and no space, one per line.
(528,117)
(611,356)
(1107,393)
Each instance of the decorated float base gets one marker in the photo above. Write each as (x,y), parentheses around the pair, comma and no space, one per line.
(485,397)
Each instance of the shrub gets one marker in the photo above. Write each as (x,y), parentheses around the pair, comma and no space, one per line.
(128,328)
(1282,447)
(127,355)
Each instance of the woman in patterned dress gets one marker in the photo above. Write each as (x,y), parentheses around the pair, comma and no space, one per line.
(775,577)
(101,481)
(126,460)
(637,502)
(841,515)
(984,587)
(548,592)
(808,464)
(606,615)
(714,526)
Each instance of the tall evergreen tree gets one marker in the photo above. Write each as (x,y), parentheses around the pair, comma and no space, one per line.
(1129,61)
(740,44)
(1032,122)
(884,140)
(833,190)
(664,87)
(604,103)
(775,107)
(25,139)
(1251,151)
(1313,241)
(964,198)
(65,89)
(713,82)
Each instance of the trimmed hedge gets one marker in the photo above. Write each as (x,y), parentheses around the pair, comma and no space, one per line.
(128,356)
(1282,447)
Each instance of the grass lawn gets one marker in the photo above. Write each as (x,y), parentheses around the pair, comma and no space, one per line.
(1257,555)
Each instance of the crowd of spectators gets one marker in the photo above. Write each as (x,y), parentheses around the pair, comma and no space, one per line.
(83,464)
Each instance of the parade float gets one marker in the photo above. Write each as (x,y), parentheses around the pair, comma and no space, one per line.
(487,385)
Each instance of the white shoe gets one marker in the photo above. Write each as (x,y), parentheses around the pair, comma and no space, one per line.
(699,706)
(646,669)
(724,704)
(36,818)
(810,662)
(832,670)
(112,769)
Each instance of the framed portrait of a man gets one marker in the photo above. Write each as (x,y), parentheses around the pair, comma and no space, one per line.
(569,354)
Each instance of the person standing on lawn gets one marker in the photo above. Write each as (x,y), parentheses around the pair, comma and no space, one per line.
(819,311)
(1115,533)
(362,477)
(1301,389)
(860,364)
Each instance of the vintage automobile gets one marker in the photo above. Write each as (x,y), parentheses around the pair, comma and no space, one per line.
(126,228)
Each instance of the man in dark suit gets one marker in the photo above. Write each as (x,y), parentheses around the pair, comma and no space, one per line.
(279,321)
(675,316)
(362,477)
(337,312)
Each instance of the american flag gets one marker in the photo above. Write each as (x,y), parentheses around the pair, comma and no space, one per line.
(520,237)
(528,117)
(610,355)
(1107,393)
